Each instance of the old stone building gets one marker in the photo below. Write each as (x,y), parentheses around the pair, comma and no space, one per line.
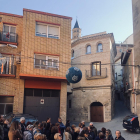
(92,99)
(32,79)
(121,48)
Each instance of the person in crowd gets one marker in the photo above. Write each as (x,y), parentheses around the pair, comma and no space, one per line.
(54,130)
(68,135)
(91,133)
(118,135)
(39,136)
(6,129)
(58,136)
(93,128)
(1,120)
(39,129)
(68,123)
(29,123)
(98,133)
(76,133)
(72,130)
(83,131)
(109,135)
(81,127)
(86,135)
(62,126)
(28,134)
(103,130)
(48,128)
(102,136)
(22,122)
(15,132)
(58,125)
(35,127)
(1,132)
(83,123)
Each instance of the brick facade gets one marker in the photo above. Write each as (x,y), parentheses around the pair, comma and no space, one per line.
(28,44)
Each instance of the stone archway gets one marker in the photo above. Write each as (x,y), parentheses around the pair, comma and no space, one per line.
(96,112)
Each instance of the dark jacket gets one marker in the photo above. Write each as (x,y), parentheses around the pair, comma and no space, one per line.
(120,138)
(15,135)
(5,129)
(1,133)
(47,130)
(67,124)
(22,127)
(75,136)
(91,133)
(97,138)
(94,130)
(110,138)
(88,138)
(62,127)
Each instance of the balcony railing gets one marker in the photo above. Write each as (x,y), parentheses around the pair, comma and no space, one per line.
(7,69)
(8,37)
(94,74)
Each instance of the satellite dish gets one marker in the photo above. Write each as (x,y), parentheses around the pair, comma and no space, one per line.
(10,45)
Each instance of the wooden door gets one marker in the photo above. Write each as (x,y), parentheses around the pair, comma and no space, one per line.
(96,113)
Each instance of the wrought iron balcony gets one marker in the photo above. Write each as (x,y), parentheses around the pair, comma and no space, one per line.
(8,37)
(95,74)
(7,70)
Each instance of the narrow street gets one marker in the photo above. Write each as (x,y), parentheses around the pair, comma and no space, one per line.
(116,124)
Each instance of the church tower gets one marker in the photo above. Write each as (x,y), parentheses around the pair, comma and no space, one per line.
(76,31)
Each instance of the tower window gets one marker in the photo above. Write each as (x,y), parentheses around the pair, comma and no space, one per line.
(100,48)
(72,54)
(88,49)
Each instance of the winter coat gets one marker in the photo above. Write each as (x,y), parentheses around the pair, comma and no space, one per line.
(88,138)
(62,127)
(67,125)
(22,127)
(68,136)
(5,129)
(120,138)
(75,136)
(15,135)
(110,138)
(47,130)
(91,133)
(97,138)
(81,129)
(94,129)
(27,135)
(1,133)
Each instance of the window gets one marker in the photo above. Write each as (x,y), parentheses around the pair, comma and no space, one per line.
(53,32)
(9,33)
(99,48)
(46,62)
(96,68)
(47,31)
(88,49)
(72,54)
(69,103)
(41,30)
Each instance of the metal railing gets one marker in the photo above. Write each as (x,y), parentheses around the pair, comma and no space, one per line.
(8,69)
(8,36)
(94,74)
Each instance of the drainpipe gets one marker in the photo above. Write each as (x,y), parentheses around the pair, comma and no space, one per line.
(134,95)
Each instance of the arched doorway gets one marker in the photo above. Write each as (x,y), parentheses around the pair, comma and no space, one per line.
(96,112)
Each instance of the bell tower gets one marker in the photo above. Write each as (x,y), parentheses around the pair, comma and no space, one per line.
(76,31)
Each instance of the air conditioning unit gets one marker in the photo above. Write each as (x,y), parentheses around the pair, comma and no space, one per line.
(18,59)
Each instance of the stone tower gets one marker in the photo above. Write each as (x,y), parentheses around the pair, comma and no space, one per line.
(76,31)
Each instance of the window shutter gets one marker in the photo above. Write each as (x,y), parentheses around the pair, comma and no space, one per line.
(41,29)
(53,31)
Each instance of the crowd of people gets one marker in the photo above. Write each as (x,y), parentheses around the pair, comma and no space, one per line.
(48,131)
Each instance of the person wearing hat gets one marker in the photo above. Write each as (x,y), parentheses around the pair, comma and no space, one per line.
(22,123)
(28,134)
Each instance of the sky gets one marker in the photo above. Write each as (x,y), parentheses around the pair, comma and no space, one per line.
(94,16)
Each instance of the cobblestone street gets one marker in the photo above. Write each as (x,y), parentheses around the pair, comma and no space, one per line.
(116,124)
